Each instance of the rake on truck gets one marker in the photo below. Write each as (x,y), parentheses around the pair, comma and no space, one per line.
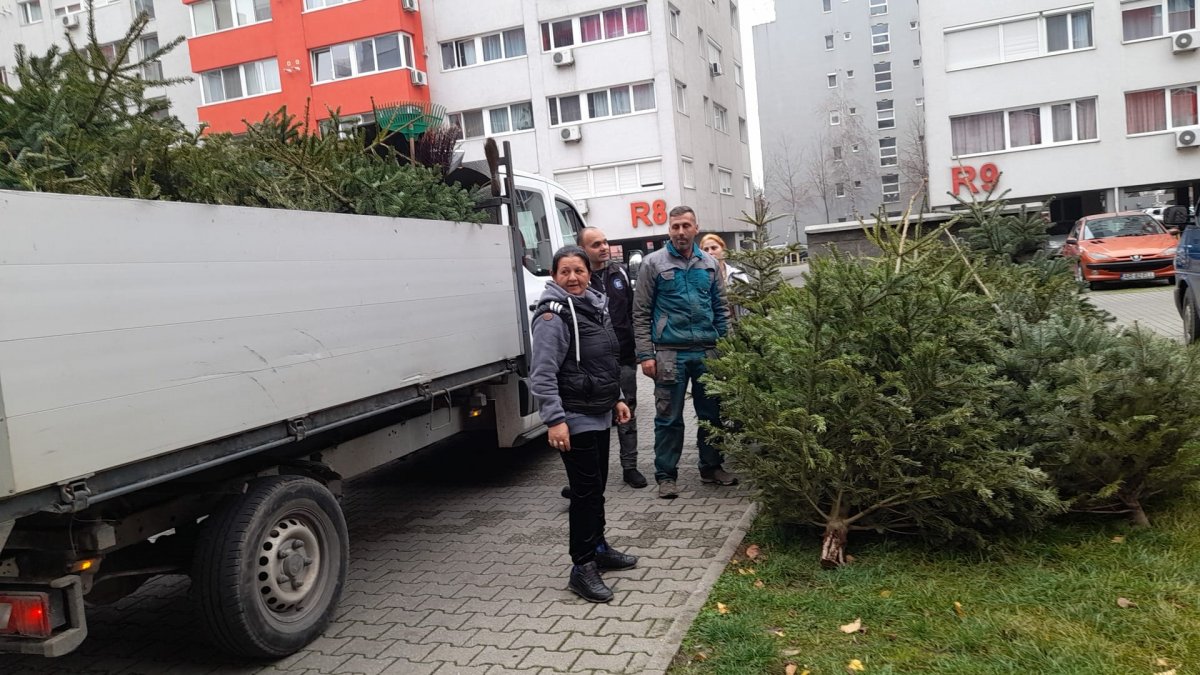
(409,118)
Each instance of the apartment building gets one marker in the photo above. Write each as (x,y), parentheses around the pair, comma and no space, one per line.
(840,95)
(1094,104)
(41,24)
(252,57)
(635,107)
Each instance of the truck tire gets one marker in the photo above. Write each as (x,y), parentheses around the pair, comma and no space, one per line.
(1191,327)
(270,566)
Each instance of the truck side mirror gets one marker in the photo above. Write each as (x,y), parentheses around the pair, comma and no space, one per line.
(635,263)
(1174,216)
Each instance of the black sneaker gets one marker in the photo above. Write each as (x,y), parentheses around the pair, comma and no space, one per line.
(566,492)
(610,559)
(634,478)
(587,584)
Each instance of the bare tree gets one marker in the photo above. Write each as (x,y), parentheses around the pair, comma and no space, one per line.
(786,181)
(914,160)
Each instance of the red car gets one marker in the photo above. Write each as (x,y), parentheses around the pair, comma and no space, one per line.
(1125,246)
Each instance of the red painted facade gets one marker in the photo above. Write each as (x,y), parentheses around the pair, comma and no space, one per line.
(290,36)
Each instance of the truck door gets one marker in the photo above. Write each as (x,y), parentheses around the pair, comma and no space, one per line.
(570,223)
(534,225)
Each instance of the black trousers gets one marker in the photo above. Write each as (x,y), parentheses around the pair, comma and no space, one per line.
(587,475)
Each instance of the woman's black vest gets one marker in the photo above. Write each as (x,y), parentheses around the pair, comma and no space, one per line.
(591,385)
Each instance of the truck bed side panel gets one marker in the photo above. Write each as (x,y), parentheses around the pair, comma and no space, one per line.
(133,328)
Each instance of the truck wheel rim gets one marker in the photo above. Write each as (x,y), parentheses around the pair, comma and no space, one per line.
(290,565)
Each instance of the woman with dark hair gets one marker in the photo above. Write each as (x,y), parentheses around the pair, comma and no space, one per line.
(575,377)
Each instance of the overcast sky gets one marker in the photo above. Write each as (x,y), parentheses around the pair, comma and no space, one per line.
(754,12)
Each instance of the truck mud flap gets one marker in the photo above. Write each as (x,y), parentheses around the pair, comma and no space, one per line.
(65,639)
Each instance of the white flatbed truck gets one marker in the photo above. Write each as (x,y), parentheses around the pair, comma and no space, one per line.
(184,388)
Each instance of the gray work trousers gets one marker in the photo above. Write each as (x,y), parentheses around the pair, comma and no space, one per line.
(627,433)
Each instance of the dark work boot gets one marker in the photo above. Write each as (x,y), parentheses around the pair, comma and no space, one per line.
(634,478)
(609,558)
(566,492)
(587,584)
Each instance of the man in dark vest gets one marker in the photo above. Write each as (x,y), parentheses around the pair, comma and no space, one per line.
(611,280)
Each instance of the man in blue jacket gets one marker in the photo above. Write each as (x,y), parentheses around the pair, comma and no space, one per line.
(679,312)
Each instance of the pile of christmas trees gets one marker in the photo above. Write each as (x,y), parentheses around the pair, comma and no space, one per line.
(950,386)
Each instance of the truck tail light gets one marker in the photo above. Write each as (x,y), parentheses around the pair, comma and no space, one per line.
(25,614)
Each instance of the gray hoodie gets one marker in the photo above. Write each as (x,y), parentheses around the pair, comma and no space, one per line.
(551,340)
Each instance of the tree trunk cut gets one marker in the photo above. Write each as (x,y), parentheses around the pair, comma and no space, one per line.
(833,547)
(1136,513)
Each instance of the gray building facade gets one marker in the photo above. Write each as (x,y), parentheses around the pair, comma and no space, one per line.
(840,95)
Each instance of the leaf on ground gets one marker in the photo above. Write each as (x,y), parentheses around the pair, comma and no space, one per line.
(1125,603)
(752,551)
(1167,672)
(849,558)
(852,627)
(789,652)
(1119,539)
(885,594)
(721,608)
(1161,662)
(855,666)
(758,583)
(701,656)
(958,609)
(789,669)
(746,570)
(778,633)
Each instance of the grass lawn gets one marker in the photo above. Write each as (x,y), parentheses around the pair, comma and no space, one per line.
(1028,605)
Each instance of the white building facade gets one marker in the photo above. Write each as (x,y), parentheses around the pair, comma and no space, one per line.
(1094,104)
(634,107)
(40,24)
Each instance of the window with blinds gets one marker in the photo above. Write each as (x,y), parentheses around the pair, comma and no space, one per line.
(613,179)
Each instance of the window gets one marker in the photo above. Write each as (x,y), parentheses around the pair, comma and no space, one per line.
(916,63)
(209,16)
(887,152)
(846,35)
(733,17)
(151,70)
(351,59)
(570,224)
(73,8)
(689,173)
(835,118)
(883,76)
(891,188)
(837,153)
(712,177)
(878,7)
(1062,122)
(826,6)
(852,110)
(1160,109)
(608,24)
(508,44)
(881,41)
(673,20)
(839,189)
(920,101)
(502,120)
(747,188)
(743,130)
(831,80)
(681,97)
(725,180)
(828,42)
(1146,20)
(885,114)
(1070,31)
(854,148)
(1018,39)
(247,79)
(144,7)
(30,12)
(849,74)
(535,232)
(612,102)
(615,179)
(720,118)
(310,5)
(714,52)
(737,74)
(912,25)
(857,184)
(707,113)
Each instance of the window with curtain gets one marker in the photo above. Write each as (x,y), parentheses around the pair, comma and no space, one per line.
(1142,23)
(1065,32)
(1183,107)
(1085,119)
(1181,15)
(598,104)
(643,96)
(635,19)
(492,47)
(522,116)
(1145,111)
(620,101)
(1025,127)
(1061,121)
(499,120)
(590,28)
(514,43)
(614,23)
(971,134)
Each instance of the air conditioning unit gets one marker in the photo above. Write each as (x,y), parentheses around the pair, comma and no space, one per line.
(70,21)
(419,78)
(571,134)
(716,68)
(409,5)
(1187,41)
(564,57)
(1187,138)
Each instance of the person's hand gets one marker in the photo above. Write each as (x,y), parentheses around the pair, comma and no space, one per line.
(623,414)
(560,437)
(650,368)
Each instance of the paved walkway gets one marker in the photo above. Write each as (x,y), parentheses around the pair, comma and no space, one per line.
(1149,306)
(459,566)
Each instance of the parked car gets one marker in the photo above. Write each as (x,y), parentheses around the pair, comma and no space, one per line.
(1124,246)
(1187,266)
